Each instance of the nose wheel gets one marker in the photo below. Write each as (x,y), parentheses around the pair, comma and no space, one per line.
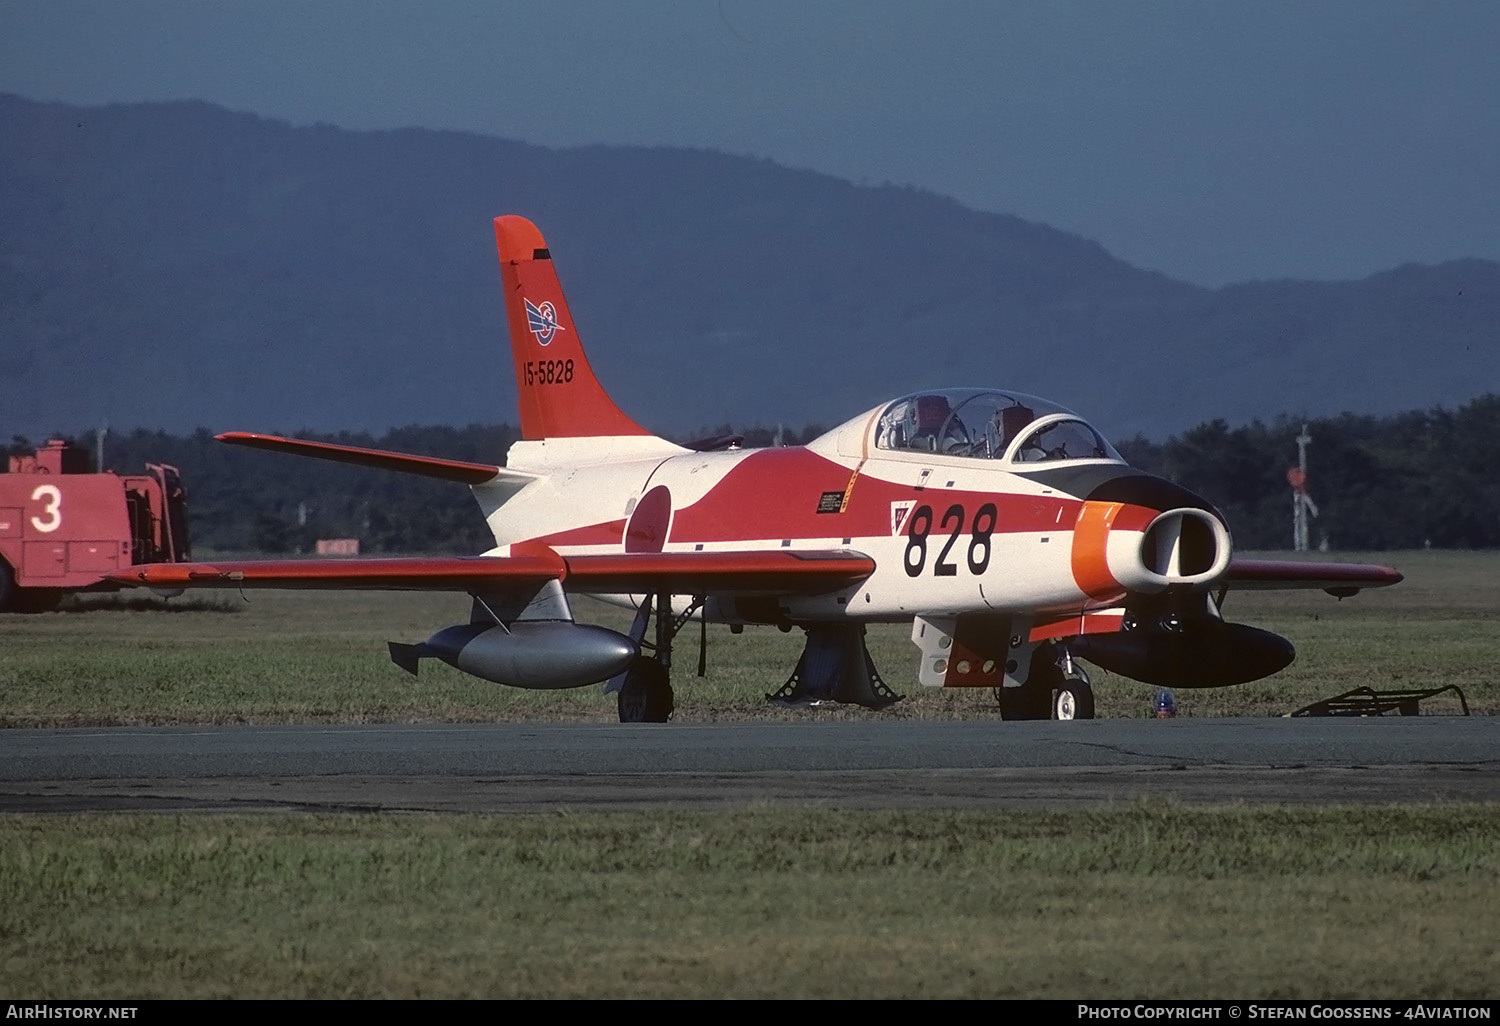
(1056,688)
(1074,698)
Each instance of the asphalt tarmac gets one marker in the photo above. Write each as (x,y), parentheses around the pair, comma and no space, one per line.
(880,764)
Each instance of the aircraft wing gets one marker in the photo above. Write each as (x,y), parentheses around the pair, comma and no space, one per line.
(1335,578)
(776,572)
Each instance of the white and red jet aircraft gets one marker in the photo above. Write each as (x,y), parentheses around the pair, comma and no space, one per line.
(1005,527)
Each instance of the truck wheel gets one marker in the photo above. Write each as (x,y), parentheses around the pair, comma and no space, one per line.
(37,600)
(15,599)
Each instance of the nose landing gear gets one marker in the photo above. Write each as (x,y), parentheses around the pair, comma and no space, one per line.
(1074,698)
(1056,688)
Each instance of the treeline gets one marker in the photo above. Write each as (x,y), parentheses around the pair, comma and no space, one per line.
(1424,478)
(1406,481)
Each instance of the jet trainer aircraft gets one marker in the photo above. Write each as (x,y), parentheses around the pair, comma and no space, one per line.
(1012,536)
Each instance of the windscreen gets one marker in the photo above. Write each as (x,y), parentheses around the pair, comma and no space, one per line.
(985,424)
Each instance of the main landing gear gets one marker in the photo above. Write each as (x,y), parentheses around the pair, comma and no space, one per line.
(835,666)
(1057,688)
(646,694)
(644,691)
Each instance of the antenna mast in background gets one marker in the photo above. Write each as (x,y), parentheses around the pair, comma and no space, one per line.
(1302,503)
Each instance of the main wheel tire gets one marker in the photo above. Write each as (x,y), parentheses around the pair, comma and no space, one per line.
(646,696)
(7,588)
(1032,700)
(1073,700)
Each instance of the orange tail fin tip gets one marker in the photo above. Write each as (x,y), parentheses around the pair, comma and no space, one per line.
(559,395)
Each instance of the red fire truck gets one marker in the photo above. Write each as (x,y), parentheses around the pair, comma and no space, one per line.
(63,526)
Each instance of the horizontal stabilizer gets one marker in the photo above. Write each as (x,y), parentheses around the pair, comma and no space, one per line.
(378,459)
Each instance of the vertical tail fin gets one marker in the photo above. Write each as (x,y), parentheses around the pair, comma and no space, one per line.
(559,395)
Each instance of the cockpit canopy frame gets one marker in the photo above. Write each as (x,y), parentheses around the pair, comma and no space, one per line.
(1009,428)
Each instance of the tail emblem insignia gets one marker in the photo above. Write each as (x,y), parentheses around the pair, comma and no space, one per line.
(542,320)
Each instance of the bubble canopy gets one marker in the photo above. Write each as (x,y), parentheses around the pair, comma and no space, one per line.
(987,424)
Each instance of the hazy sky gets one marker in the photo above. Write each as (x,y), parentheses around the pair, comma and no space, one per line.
(1215,141)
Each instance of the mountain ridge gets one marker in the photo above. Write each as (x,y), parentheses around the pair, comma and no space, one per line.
(176,265)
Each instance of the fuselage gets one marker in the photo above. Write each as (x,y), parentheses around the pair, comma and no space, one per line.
(957,520)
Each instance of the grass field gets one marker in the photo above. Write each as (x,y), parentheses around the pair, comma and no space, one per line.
(320,657)
(1151,900)
(1146,900)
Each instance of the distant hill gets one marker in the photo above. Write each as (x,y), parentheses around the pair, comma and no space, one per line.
(177,265)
